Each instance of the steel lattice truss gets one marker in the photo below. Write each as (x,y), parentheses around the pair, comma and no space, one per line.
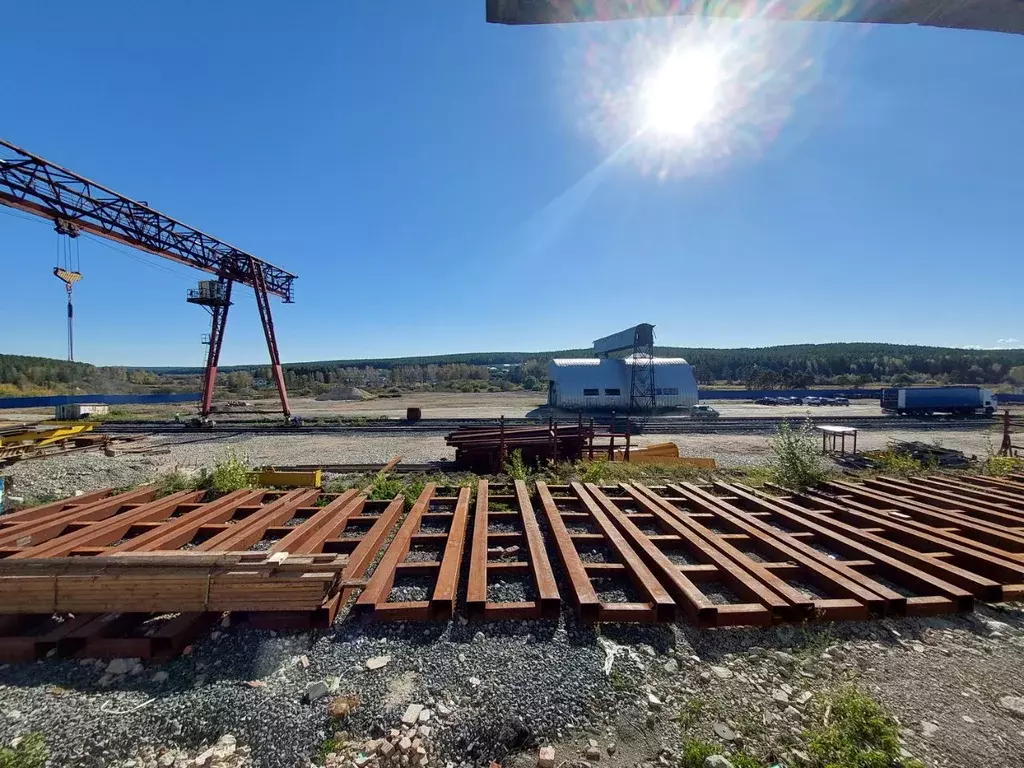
(34,185)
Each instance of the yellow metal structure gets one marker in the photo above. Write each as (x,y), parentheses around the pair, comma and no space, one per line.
(38,436)
(666,454)
(272,478)
(17,442)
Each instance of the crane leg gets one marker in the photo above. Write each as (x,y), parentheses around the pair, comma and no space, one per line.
(263,304)
(220,319)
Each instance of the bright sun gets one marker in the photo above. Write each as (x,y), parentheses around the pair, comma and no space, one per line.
(683,94)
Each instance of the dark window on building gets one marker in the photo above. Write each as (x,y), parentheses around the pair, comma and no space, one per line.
(671,391)
(591,392)
(612,393)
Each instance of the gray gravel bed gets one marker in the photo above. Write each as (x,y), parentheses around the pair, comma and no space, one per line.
(511,589)
(411,589)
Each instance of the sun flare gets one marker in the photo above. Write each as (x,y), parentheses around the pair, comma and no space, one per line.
(682,95)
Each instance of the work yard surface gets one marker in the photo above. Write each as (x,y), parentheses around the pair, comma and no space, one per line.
(148,459)
(616,696)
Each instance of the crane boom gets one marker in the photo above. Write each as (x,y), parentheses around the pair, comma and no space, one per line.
(34,185)
(75,204)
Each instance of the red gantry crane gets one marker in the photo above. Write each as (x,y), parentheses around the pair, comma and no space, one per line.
(76,205)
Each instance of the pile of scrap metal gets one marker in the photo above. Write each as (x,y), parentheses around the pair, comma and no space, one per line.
(486,449)
(22,441)
(928,456)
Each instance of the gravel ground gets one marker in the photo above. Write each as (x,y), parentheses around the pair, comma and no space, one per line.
(61,476)
(501,689)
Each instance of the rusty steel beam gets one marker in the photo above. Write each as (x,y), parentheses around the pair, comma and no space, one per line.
(182,530)
(34,513)
(442,602)
(106,532)
(944,499)
(657,604)
(53,524)
(994,496)
(251,530)
(927,576)
(990,562)
(987,533)
(529,543)
(375,595)
(761,604)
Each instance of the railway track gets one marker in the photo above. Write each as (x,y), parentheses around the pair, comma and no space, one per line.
(652,426)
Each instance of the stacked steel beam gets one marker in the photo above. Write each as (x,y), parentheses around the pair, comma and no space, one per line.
(280,559)
(485,449)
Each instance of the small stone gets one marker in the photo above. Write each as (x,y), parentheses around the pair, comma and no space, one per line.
(204,758)
(443,709)
(929,729)
(376,662)
(387,749)
(593,754)
(405,745)
(256,684)
(653,702)
(611,748)
(424,731)
(784,658)
(122,666)
(425,716)
(160,677)
(412,714)
(724,732)
(792,712)
(804,697)
(474,681)
(14,715)
(1013,704)
(225,747)
(671,666)
(722,673)
(592,742)
(479,637)
(316,691)
(780,697)
(967,718)
(303,660)
(716,761)
(546,757)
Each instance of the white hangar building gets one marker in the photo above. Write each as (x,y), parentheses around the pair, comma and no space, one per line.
(638,381)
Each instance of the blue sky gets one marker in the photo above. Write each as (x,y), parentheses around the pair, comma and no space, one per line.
(443,185)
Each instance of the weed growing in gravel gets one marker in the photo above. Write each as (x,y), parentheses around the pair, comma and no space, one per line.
(229,473)
(895,463)
(998,466)
(695,751)
(813,641)
(796,461)
(385,487)
(854,732)
(515,467)
(692,712)
(31,752)
(174,482)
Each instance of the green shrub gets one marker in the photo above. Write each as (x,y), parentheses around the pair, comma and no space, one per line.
(895,463)
(31,752)
(229,473)
(174,482)
(858,733)
(796,460)
(514,466)
(385,486)
(998,466)
(695,752)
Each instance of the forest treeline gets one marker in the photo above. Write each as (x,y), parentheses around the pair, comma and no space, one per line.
(791,366)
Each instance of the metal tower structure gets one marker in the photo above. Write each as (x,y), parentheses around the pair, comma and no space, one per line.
(639,339)
(641,389)
(36,186)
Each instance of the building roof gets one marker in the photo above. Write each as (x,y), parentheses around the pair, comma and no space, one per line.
(584,362)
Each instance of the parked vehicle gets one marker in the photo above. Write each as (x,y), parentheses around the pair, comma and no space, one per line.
(925,401)
(703,412)
(813,401)
(840,401)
